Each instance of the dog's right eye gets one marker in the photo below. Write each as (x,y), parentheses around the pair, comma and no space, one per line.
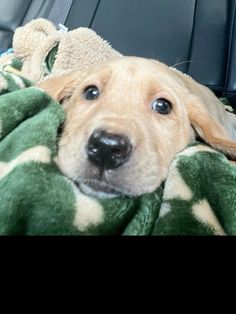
(91,93)
(162,106)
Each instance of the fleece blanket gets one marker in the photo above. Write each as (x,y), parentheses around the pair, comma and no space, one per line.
(198,197)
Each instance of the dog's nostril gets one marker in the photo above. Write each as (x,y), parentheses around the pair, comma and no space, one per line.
(108,150)
(121,150)
(92,149)
(117,153)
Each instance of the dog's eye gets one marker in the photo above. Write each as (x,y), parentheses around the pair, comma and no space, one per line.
(91,93)
(162,106)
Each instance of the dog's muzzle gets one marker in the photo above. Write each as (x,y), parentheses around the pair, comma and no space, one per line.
(108,150)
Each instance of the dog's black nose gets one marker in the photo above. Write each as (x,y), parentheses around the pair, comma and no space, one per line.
(108,150)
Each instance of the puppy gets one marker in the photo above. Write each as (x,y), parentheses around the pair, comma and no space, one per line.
(126,121)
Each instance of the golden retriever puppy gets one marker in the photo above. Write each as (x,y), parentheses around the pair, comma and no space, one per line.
(126,121)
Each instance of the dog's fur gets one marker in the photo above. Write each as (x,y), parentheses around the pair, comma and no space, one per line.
(128,86)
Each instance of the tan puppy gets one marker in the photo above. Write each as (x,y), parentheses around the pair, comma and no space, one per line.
(126,121)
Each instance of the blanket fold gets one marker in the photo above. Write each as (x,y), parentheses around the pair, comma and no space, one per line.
(200,195)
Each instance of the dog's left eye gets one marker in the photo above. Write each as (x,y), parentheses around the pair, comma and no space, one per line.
(91,93)
(162,106)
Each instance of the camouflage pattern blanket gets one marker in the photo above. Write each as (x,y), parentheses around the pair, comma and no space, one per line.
(198,197)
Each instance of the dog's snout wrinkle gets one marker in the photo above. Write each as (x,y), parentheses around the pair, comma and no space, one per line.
(108,150)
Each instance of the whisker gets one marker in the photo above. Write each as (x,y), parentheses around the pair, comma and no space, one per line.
(181,63)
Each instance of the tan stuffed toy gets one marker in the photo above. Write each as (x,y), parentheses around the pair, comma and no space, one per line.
(77,49)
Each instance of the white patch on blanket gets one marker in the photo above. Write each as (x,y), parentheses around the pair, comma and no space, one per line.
(89,212)
(164,210)
(204,213)
(175,186)
(36,154)
(18,81)
(3,83)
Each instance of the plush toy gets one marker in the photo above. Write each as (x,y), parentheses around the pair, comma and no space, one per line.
(44,50)
(198,197)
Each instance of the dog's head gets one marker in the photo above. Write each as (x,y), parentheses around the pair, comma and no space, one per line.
(126,121)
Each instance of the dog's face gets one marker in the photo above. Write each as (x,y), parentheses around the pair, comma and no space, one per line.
(126,121)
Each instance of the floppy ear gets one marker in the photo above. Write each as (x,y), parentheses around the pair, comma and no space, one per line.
(209,129)
(61,88)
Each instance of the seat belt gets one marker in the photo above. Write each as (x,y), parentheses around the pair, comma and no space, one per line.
(60,11)
(54,10)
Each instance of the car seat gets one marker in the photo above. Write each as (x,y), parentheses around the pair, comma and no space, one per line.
(196,36)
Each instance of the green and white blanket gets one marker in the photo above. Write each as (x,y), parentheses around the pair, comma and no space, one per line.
(198,197)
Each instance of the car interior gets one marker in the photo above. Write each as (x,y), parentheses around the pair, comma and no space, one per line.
(197,196)
(196,36)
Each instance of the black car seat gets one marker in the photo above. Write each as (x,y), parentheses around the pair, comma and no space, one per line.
(198,36)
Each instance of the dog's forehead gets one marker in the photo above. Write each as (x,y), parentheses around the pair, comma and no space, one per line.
(136,69)
(138,66)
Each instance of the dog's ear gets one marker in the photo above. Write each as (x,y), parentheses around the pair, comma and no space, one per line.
(61,88)
(209,129)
